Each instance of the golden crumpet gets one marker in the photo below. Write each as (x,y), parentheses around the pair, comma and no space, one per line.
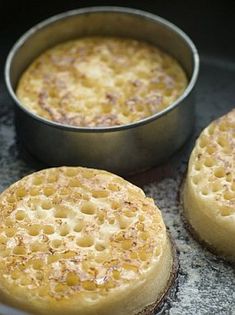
(209,190)
(81,241)
(101,82)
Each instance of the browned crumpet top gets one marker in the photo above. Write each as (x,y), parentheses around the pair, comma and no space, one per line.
(101,81)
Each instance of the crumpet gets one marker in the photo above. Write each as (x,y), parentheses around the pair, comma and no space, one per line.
(101,82)
(82,241)
(209,190)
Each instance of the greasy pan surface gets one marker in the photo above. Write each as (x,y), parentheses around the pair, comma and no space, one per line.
(206,283)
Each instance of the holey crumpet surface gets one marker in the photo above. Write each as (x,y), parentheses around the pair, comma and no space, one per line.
(82,241)
(101,81)
(209,191)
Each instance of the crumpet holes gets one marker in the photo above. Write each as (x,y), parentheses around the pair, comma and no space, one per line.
(38,180)
(48,229)
(100,246)
(203,142)
(37,264)
(54,258)
(88,207)
(79,226)
(198,166)
(126,244)
(229,177)
(115,204)
(20,215)
(48,191)
(3,239)
(140,226)
(205,191)
(34,191)
(88,174)
(100,193)
(69,254)
(52,178)
(116,274)
(11,199)
(60,287)
(89,285)
(46,205)
(130,267)
(74,182)
(144,235)
(64,230)
(158,251)
(62,212)
(223,126)
(229,195)
(101,217)
(85,241)
(71,172)
(129,213)
(210,149)
(4,252)
(211,129)
(222,142)
(72,279)
(34,229)
(56,243)
(10,231)
(143,255)
(38,247)
(113,187)
(225,211)
(219,172)
(19,250)
(123,222)
(216,186)
(209,162)
(21,192)
(196,179)
(9,222)
(111,220)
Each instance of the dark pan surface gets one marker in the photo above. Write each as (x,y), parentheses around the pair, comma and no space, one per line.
(205,283)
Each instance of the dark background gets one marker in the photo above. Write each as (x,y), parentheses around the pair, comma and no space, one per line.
(211,24)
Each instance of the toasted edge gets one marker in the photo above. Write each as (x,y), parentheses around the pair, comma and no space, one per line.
(156,307)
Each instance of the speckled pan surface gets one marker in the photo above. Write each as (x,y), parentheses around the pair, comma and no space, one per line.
(205,284)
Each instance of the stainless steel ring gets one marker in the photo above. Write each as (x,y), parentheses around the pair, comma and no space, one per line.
(121,149)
